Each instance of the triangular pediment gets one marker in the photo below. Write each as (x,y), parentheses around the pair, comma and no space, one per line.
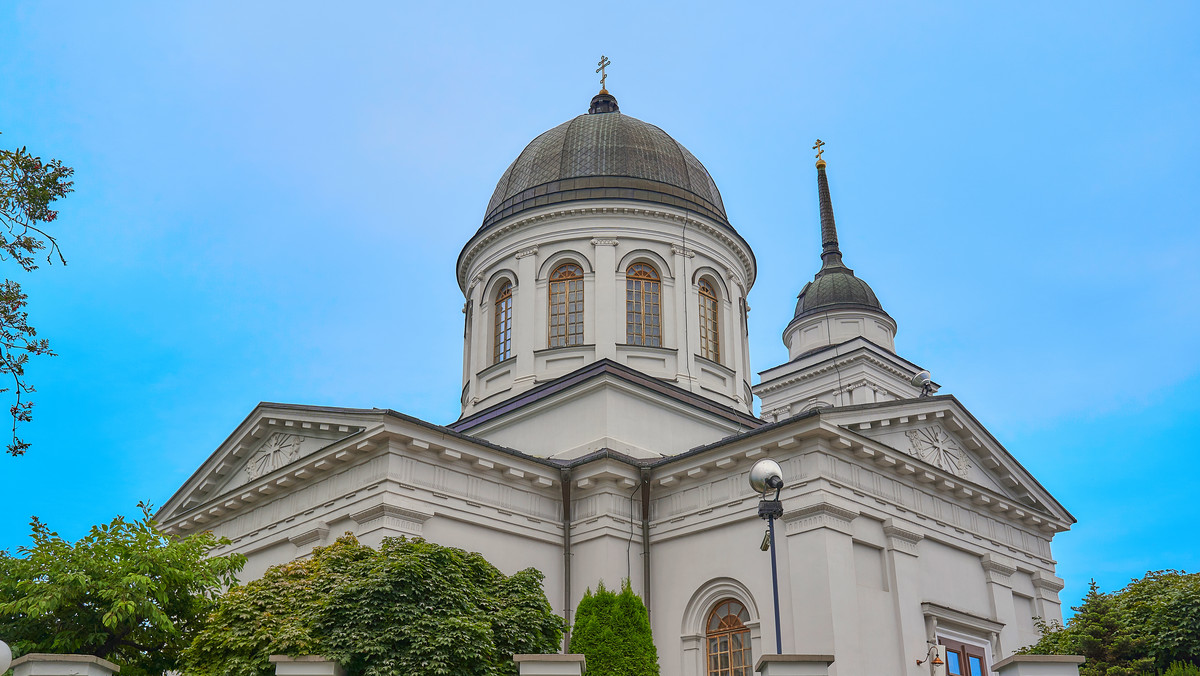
(272,437)
(939,433)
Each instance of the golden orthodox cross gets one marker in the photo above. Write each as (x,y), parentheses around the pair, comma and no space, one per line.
(603,63)
(818,148)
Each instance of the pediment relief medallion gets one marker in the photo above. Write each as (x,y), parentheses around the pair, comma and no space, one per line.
(278,450)
(936,446)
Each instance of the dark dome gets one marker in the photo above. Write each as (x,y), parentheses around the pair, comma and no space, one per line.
(836,288)
(605,155)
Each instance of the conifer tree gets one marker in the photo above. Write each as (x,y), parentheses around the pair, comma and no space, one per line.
(613,631)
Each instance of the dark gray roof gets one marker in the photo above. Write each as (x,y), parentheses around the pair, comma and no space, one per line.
(605,155)
(835,288)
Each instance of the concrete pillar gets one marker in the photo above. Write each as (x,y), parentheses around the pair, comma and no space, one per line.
(307,665)
(794,665)
(1039,665)
(999,570)
(44,664)
(904,579)
(550,665)
(610,301)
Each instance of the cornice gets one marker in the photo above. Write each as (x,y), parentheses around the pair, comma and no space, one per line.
(496,232)
(830,365)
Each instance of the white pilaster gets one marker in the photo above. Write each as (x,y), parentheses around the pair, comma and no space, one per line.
(609,307)
(824,593)
(904,579)
(524,307)
(999,570)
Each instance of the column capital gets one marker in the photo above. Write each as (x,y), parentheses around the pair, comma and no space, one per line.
(604,241)
(682,251)
(819,515)
(998,569)
(899,538)
(531,251)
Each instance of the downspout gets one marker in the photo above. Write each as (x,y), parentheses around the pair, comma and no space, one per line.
(646,538)
(565,479)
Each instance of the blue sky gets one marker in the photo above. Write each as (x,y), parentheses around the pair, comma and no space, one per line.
(271,197)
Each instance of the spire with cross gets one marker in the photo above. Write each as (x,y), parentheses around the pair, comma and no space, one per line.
(603,63)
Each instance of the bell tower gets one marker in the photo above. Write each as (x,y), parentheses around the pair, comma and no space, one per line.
(841,342)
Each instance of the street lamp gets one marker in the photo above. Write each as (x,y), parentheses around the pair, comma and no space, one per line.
(764,476)
(5,657)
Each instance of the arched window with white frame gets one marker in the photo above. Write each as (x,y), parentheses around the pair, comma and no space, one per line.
(566,306)
(728,640)
(643,302)
(710,331)
(502,334)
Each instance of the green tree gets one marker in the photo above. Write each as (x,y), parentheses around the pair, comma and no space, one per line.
(1151,625)
(411,608)
(613,631)
(125,592)
(28,186)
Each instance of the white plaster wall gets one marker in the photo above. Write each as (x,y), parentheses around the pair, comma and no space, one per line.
(838,326)
(607,415)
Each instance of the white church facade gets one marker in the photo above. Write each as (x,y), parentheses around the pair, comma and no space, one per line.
(608,428)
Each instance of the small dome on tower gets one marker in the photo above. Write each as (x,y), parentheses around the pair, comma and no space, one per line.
(835,289)
(605,154)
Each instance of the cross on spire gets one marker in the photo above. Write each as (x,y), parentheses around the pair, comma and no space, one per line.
(818,148)
(603,63)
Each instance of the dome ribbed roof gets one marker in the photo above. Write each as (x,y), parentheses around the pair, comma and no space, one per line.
(836,288)
(605,155)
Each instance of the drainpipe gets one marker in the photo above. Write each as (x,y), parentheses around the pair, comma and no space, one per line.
(646,538)
(565,479)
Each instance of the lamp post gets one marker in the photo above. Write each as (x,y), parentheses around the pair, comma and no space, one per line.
(764,476)
(5,657)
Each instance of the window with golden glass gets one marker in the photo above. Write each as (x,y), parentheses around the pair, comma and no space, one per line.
(502,342)
(710,334)
(642,322)
(566,305)
(729,640)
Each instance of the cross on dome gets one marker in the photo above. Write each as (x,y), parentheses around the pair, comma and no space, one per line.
(603,63)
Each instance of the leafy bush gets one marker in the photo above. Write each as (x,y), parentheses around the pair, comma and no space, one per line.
(613,631)
(125,592)
(412,608)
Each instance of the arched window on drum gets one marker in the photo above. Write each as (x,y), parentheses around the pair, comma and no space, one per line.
(710,332)
(502,336)
(566,305)
(643,325)
(729,640)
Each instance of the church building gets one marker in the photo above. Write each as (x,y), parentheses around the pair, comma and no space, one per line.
(608,428)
